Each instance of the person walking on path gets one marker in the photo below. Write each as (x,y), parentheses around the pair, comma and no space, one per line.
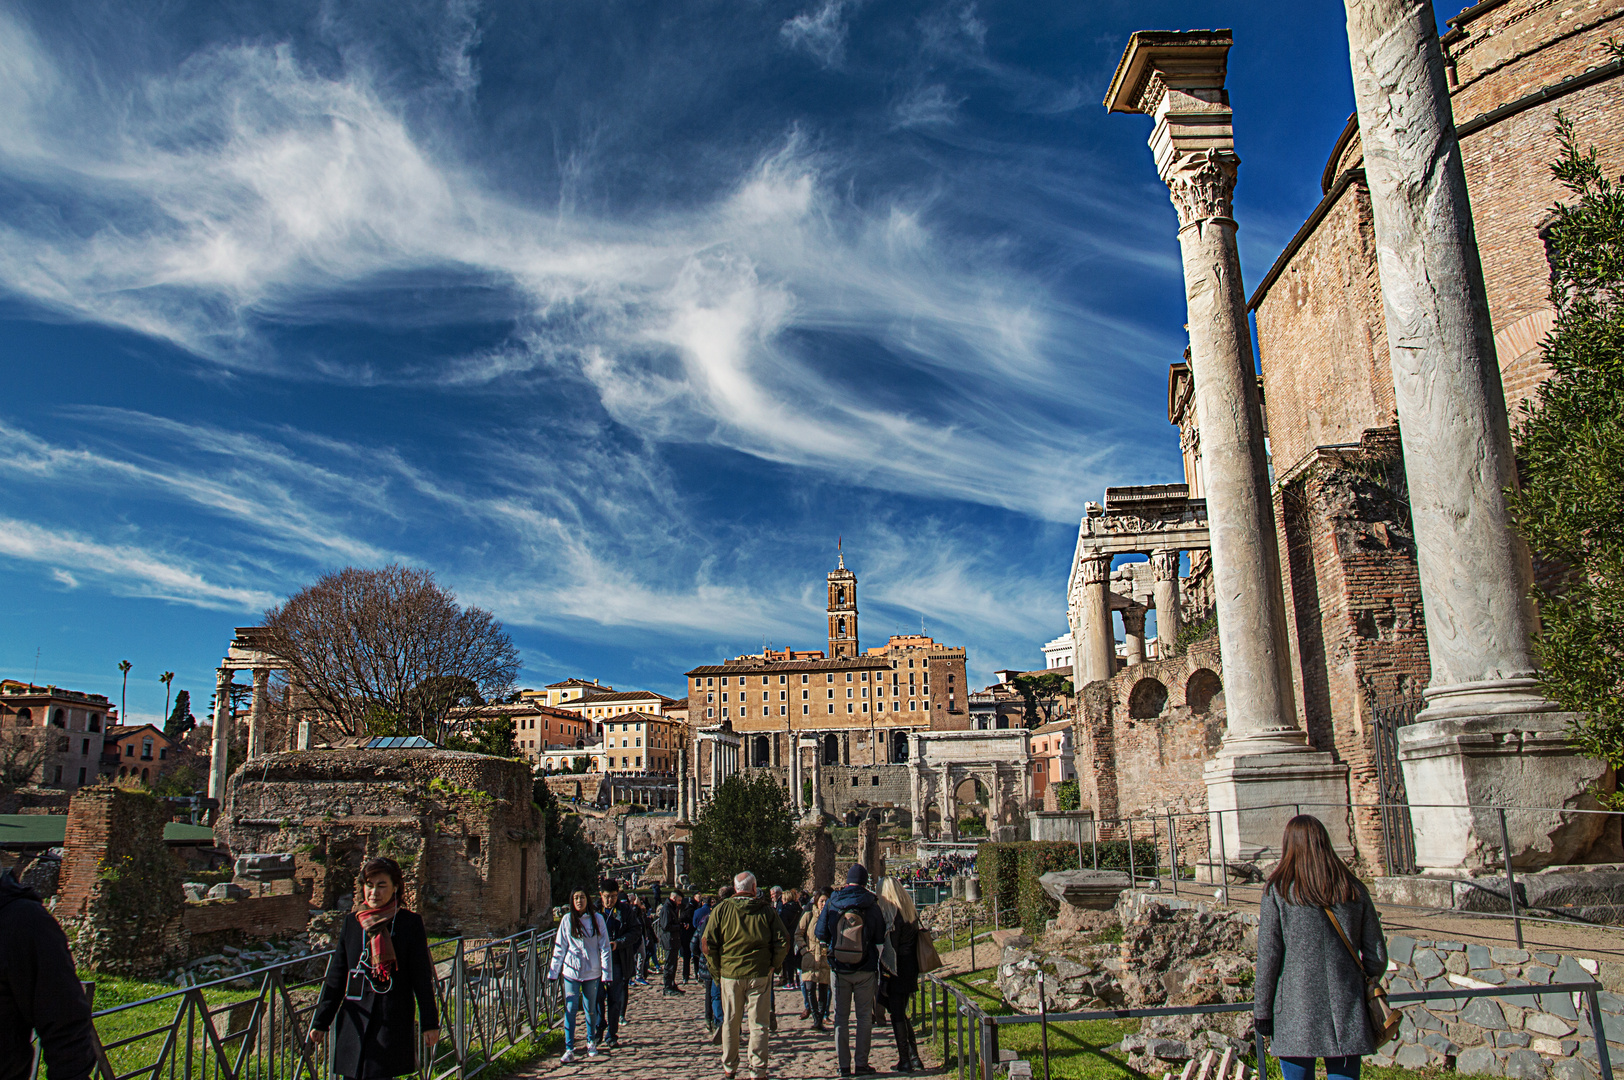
(685,938)
(625,931)
(790,913)
(39,991)
(645,943)
(379,985)
(852,927)
(814,963)
(744,942)
(1310,993)
(669,924)
(582,956)
(899,970)
(713,982)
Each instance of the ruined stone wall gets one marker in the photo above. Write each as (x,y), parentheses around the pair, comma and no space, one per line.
(858,788)
(1353,600)
(462,826)
(644,832)
(1143,739)
(121,898)
(582,786)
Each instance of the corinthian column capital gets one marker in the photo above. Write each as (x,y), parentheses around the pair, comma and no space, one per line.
(1202,184)
(1093,569)
(1164,564)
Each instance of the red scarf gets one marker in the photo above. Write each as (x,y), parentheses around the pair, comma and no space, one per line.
(383,949)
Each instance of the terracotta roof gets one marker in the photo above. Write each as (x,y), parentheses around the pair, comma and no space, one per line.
(567,683)
(620,695)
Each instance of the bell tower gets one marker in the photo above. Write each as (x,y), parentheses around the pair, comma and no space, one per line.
(842,609)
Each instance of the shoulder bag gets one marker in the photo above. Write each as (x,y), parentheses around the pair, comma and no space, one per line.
(925,951)
(1384,1019)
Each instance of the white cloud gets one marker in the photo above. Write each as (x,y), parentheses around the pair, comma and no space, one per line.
(926,106)
(126,569)
(820,31)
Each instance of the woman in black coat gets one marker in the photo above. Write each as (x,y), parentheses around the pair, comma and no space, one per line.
(899,970)
(380,981)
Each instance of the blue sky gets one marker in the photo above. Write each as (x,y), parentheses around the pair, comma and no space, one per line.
(615,315)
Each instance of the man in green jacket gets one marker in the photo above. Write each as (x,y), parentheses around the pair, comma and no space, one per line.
(744,943)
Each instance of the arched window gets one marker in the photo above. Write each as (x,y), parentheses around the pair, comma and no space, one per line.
(831,749)
(25,716)
(899,746)
(1203,691)
(842,627)
(59,719)
(760,752)
(95,722)
(143,776)
(1147,699)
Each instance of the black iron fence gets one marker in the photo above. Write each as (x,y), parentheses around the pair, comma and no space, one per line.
(492,996)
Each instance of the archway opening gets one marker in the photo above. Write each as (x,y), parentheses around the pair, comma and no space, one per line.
(899,746)
(760,752)
(831,749)
(1147,699)
(1203,692)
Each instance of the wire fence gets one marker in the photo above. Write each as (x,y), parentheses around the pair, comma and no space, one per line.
(492,995)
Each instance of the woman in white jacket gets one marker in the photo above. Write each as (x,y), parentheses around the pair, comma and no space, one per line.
(581,956)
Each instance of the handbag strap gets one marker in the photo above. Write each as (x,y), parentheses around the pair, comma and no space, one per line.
(1343,934)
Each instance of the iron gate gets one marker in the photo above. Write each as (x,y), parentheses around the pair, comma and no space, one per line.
(1398,839)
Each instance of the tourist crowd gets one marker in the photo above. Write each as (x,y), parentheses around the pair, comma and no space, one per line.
(852,954)
(938,868)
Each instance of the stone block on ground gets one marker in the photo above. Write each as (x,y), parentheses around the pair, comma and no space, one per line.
(1097,890)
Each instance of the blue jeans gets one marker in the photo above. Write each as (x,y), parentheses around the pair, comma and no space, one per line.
(1336,1068)
(574,992)
(713,998)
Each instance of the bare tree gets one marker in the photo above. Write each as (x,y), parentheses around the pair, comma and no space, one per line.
(390,649)
(22,751)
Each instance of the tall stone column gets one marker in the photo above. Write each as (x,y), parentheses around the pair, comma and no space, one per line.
(949,806)
(257,711)
(1093,646)
(683,810)
(222,736)
(794,775)
(1486,729)
(817,780)
(917,784)
(1178,80)
(1169,617)
(1133,632)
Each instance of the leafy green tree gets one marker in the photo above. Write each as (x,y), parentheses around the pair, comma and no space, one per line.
(748,825)
(1042,694)
(180,719)
(572,859)
(181,780)
(1066,795)
(492,735)
(1570,442)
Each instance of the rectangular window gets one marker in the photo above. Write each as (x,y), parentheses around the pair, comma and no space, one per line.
(805,709)
(910,663)
(865,706)
(639,761)
(848,676)
(710,682)
(782,679)
(84,751)
(803,680)
(783,710)
(724,692)
(865,676)
(803,695)
(848,691)
(849,708)
(710,712)
(913,706)
(831,706)
(765,679)
(831,691)
(724,680)
(766,695)
(724,711)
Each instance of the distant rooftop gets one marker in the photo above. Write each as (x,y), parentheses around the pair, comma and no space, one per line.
(400,742)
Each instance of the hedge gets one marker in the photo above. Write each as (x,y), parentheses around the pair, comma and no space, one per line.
(1009,873)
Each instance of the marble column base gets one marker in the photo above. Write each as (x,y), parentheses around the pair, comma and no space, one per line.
(1512,759)
(1259,793)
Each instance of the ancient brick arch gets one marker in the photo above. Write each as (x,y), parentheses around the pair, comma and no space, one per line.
(1147,699)
(1203,691)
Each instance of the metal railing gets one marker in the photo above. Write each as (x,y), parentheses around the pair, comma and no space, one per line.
(491,996)
(969,1034)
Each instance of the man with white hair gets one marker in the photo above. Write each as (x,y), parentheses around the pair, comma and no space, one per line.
(744,944)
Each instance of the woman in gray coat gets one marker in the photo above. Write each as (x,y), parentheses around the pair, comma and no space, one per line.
(1310,996)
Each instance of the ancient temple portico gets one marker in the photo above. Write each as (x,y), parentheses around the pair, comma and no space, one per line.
(246,653)
(1177,79)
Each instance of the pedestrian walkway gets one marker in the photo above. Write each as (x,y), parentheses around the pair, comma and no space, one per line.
(664,1037)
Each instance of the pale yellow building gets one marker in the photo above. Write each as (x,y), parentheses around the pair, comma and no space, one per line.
(640,743)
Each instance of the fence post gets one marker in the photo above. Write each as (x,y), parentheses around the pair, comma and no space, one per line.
(1511,881)
(989,1047)
(972,918)
(459,999)
(1603,1061)
(1043,1023)
(1172,854)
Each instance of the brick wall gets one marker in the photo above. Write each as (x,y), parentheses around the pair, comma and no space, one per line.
(252,917)
(1353,601)
(1142,742)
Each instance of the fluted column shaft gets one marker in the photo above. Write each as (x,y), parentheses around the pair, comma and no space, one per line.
(1169,617)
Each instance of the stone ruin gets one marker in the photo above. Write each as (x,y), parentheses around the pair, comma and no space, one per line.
(126,907)
(462,826)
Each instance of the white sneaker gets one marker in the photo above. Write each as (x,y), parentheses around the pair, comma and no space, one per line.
(569,1055)
(591,1050)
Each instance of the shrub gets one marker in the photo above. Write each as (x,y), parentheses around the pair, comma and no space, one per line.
(996,864)
(1036,858)
(1066,796)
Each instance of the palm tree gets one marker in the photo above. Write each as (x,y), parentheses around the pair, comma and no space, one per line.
(124,666)
(166,678)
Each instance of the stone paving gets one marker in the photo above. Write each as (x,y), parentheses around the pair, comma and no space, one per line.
(664,1037)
